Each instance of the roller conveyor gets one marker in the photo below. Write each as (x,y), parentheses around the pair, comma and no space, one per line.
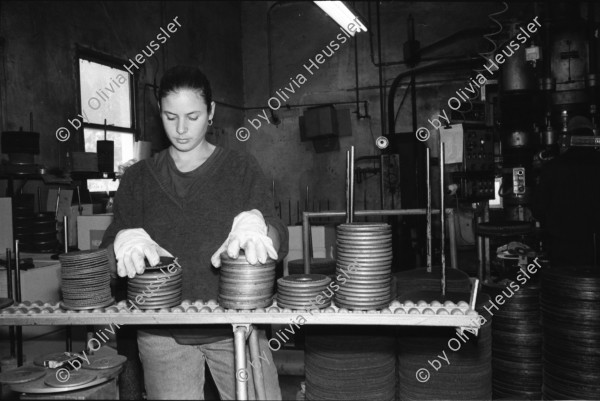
(417,313)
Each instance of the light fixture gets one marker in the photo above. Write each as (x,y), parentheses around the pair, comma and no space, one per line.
(342,15)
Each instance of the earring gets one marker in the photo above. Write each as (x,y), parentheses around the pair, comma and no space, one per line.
(210,122)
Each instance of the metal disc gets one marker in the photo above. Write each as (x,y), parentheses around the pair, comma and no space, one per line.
(107,362)
(23,374)
(76,378)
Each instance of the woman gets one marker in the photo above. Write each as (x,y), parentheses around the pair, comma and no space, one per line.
(186,198)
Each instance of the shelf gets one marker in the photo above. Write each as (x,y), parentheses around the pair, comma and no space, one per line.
(408,313)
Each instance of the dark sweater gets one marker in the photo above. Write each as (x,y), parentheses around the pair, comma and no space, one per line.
(193,228)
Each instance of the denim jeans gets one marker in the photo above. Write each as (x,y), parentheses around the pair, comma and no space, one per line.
(175,371)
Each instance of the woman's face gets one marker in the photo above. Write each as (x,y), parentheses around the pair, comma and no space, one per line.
(185,116)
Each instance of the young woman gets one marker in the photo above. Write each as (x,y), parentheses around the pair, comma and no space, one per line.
(183,201)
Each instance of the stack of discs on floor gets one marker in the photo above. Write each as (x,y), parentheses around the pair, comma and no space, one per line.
(302,291)
(245,286)
(571,325)
(364,256)
(317,266)
(85,279)
(463,362)
(158,287)
(420,280)
(517,341)
(357,364)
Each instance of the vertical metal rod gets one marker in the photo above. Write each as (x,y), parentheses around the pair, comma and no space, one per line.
(257,372)
(442,218)
(347,187)
(479,220)
(486,240)
(381,181)
(429,233)
(306,231)
(351,184)
(452,239)
(19,329)
(66,233)
(306,201)
(9,291)
(290,211)
(241,386)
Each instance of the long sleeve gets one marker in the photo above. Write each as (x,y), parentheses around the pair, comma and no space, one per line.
(128,206)
(261,198)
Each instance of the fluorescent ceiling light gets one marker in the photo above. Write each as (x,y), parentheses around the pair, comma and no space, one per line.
(342,15)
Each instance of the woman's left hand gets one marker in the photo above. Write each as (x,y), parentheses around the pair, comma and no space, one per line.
(248,232)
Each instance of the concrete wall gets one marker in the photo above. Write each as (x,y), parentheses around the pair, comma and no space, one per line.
(299,31)
(39,61)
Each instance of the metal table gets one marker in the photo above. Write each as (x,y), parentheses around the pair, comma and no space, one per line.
(410,313)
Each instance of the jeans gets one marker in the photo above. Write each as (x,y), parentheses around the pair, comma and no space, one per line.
(175,371)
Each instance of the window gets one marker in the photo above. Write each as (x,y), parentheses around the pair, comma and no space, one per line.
(106,95)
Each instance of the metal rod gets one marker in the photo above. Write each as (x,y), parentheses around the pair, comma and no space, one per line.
(306,201)
(429,233)
(9,291)
(442,219)
(66,233)
(241,385)
(479,220)
(381,182)
(452,238)
(347,187)
(257,372)
(19,330)
(486,240)
(351,184)
(290,210)
(306,231)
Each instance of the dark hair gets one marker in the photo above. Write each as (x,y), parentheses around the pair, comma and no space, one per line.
(185,77)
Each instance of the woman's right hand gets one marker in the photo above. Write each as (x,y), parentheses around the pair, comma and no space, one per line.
(131,247)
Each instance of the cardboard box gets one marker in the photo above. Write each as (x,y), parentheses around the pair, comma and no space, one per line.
(90,230)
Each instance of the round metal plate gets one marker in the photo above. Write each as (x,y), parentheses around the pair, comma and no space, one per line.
(76,378)
(23,374)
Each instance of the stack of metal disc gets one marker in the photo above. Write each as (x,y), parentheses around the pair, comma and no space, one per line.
(517,341)
(85,279)
(317,266)
(364,256)
(301,291)
(245,286)
(571,326)
(158,287)
(420,280)
(460,368)
(350,365)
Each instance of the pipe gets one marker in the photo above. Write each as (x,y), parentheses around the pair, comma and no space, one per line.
(452,238)
(416,71)
(465,33)
(381,87)
(306,231)
(257,372)
(347,187)
(429,234)
(351,184)
(9,291)
(19,329)
(241,385)
(442,218)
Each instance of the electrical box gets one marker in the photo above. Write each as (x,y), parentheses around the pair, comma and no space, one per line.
(477,178)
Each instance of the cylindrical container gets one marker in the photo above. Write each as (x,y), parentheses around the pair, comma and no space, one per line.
(158,287)
(106,156)
(245,286)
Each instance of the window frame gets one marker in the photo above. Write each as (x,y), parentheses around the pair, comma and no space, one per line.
(114,62)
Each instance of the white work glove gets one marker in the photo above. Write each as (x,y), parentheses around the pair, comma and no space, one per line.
(248,232)
(131,246)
